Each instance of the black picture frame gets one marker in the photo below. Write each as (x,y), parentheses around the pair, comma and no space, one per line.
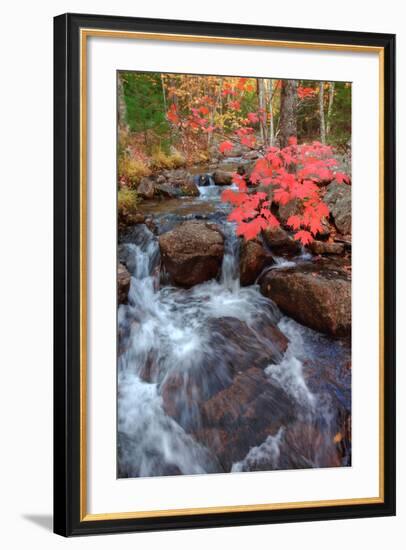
(67,354)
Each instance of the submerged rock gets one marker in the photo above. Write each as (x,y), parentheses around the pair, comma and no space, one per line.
(123,283)
(192,252)
(232,347)
(243,415)
(316,295)
(253,259)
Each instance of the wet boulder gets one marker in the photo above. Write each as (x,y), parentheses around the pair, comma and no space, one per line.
(338,199)
(328,248)
(167,191)
(233,346)
(253,259)
(146,188)
(221,177)
(292,208)
(123,283)
(239,345)
(280,242)
(203,180)
(192,252)
(188,188)
(318,295)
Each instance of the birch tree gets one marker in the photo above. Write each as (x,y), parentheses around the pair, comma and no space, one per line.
(321,114)
(331,91)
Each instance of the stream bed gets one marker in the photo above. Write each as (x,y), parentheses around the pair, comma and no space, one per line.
(215,378)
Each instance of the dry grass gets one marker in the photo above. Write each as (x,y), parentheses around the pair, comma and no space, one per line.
(127,202)
(132,170)
(160,160)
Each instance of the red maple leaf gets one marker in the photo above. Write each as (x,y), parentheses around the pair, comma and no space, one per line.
(172,114)
(233,196)
(340,177)
(304,237)
(225,146)
(235,105)
(249,141)
(294,222)
(253,118)
(281,196)
(249,230)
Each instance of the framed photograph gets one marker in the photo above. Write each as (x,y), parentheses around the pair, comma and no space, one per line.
(224,274)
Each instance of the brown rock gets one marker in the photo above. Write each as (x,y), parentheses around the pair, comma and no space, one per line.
(316,295)
(166,191)
(221,177)
(338,199)
(292,208)
(319,247)
(189,188)
(325,231)
(146,188)
(192,252)
(123,283)
(253,259)
(280,242)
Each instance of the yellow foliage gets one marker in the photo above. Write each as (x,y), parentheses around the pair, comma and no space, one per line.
(131,169)
(127,201)
(160,160)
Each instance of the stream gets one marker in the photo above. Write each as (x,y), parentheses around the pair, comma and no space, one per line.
(197,392)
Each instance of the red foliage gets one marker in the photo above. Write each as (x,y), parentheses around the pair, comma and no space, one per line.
(225,146)
(172,114)
(253,118)
(235,105)
(304,93)
(291,173)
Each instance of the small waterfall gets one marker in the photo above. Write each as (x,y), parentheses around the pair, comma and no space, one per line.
(230,271)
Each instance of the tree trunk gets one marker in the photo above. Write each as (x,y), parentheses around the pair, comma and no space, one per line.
(163,92)
(331,91)
(321,112)
(271,125)
(262,108)
(288,116)
(121,106)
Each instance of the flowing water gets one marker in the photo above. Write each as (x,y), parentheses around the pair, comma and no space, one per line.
(202,386)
